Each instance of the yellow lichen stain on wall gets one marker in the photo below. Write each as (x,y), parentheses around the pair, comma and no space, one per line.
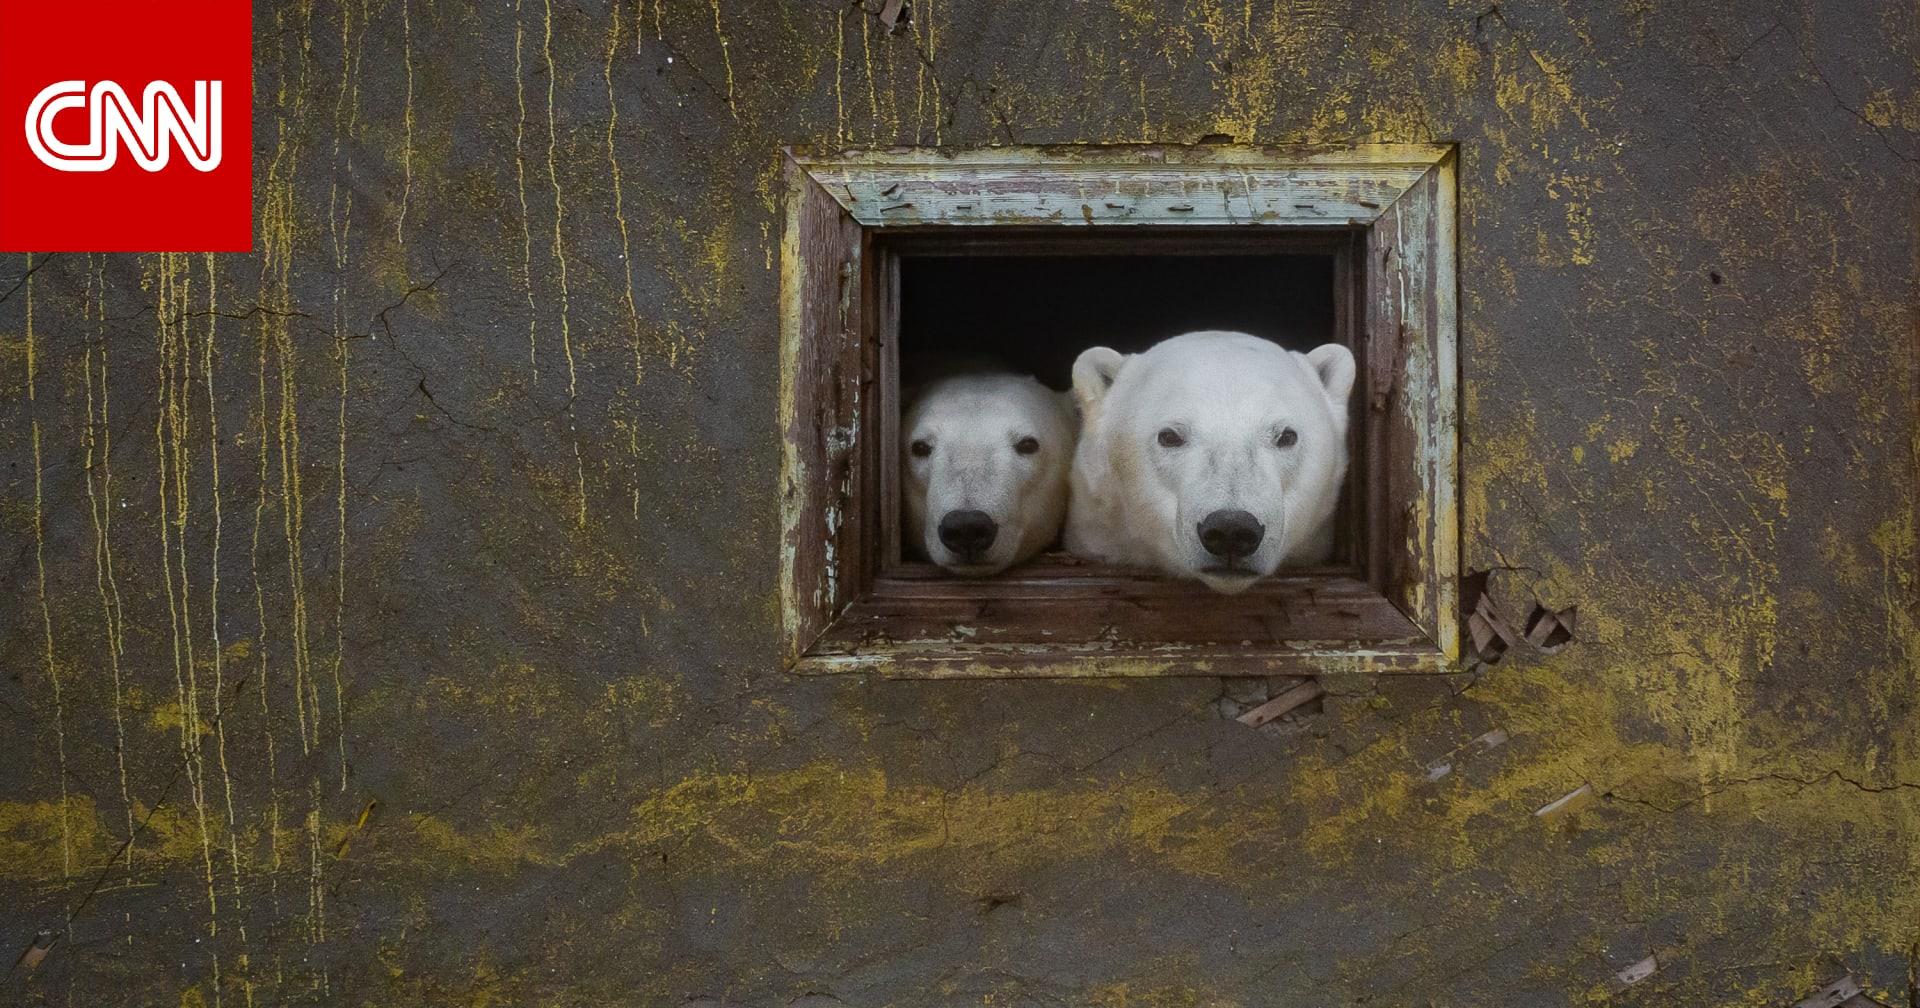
(1885,109)
(172,717)
(515,693)
(1151,990)
(1143,25)
(1820,340)
(845,820)
(699,262)
(1260,58)
(1530,84)
(13,366)
(30,843)
(1458,66)
(1504,468)
(37,836)
(1899,584)
(494,848)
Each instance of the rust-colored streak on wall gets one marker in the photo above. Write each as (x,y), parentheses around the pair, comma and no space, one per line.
(410,584)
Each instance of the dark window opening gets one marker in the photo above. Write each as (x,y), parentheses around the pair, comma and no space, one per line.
(1033,254)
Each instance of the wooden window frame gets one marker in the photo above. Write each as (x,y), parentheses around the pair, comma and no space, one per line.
(1385,212)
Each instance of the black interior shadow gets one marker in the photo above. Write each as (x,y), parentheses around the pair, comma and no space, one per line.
(1036,313)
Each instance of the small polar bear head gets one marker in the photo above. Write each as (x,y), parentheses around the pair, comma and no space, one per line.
(1213,455)
(983,461)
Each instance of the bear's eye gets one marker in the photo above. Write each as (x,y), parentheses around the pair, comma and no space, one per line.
(1170,438)
(921,449)
(1286,438)
(1027,445)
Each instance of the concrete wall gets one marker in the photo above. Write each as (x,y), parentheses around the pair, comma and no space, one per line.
(405,588)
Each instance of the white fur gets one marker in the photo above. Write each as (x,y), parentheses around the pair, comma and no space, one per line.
(1138,503)
(973,421)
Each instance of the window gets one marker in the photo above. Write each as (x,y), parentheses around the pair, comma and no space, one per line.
(886,252)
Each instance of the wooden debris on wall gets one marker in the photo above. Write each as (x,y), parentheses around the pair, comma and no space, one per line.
(1548,630)
(1638,971)
(1288,700)
(1566,804)
(36,951)
(1489,633)
(1485,742)
(1845,992)
(346,841)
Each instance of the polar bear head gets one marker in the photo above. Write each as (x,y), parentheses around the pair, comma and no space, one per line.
(983,461)
(1213,455)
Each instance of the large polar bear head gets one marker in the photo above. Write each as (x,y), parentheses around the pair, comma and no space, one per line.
(1213,455)
(983,460)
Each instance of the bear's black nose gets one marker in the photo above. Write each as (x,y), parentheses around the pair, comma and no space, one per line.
(968,533)
(1231,535)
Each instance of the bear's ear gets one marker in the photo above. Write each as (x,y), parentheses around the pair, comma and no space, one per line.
(1093,375)
(1333,364)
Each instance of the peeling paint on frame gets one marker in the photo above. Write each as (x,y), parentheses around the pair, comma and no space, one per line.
(1296,188)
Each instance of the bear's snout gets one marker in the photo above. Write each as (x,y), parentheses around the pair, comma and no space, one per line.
(969,534)
(1231,535)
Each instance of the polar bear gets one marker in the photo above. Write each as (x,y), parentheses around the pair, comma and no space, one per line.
(984,456)
(1213,455)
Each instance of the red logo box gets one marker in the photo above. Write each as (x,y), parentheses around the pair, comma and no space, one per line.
(112,138)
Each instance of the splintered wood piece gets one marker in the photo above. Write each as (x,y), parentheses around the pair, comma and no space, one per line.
(1487,633)
(1497,621)
(1286,701)
(30,959)
(1491,633)
(890,14)
(1638,971)
(1549,630)
(1572,801)
(346,841)
(1845,992)
(1487,642)
(1833,995)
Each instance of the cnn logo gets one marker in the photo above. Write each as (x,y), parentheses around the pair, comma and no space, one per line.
(149,131)
(126,126)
